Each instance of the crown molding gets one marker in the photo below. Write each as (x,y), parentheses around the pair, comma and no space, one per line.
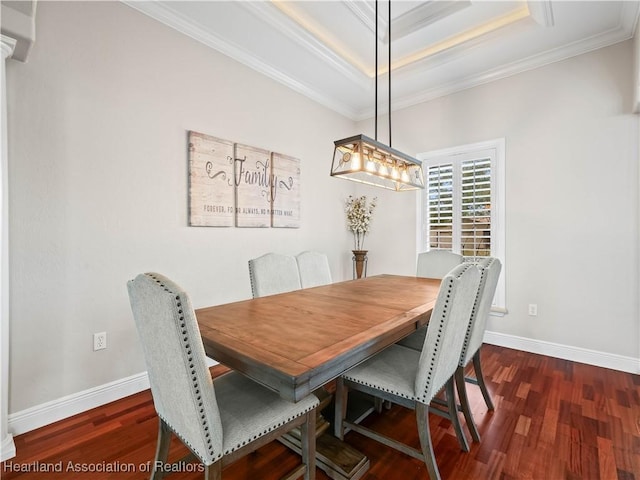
(169,17)
(425,14)
(366,14)
(542,14)
(418,17)
(278,18)
(617,34)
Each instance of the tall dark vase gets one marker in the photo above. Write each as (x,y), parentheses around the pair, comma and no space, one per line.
(359,263)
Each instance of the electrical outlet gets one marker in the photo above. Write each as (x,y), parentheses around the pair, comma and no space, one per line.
(533,309)
(99,341)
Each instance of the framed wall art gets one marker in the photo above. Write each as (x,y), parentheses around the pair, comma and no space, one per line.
(232,184)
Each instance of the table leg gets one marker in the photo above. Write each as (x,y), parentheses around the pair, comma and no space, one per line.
(339,460)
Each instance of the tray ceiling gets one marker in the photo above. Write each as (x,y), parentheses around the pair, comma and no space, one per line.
(325,49)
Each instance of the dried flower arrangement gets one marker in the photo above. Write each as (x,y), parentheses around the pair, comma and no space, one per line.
(359,218)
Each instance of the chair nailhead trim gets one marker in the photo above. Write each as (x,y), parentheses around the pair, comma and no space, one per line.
(483,279)
(378,387)
(474,312)
(252,280)
(196,387)
(273,427)
(423,398)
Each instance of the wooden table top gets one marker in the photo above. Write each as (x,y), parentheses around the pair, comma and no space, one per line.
(296,342)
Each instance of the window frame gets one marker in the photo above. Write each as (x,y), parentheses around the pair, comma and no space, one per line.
(495,150)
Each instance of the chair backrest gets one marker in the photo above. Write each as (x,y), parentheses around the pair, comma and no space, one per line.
(181,384)
(437,263)
(489,273)
(314,269)
(273,273)
(446,330)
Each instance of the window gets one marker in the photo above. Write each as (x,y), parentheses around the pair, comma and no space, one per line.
(462,205)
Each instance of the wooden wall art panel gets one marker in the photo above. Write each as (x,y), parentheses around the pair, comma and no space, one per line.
(285,191)
(252,173)
(211,188)
(234,184)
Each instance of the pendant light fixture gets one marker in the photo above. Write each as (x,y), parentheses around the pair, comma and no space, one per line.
(366,160)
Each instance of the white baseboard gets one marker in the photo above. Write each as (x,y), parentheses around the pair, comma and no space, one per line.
(50,412)
(566,352)
(8,448)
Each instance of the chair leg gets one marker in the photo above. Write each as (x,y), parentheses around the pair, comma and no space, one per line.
(341,397)
(213,471)
(464,403)
(308,440)
(453,414)
(162,450)
(480,377)
(422,417)
(377,404)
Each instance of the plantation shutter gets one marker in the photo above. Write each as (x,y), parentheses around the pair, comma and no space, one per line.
(476,208)
(462,207)
(459,207)
(440,206)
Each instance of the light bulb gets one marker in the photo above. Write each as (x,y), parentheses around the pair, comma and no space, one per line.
(356,162)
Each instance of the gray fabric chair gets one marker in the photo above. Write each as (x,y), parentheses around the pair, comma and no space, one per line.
(489,273)
(437,263)
(218,421)
(412,378)
(431,264)
(313,268)
(273,273)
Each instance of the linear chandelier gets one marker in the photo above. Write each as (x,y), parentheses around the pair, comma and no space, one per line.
(366,160)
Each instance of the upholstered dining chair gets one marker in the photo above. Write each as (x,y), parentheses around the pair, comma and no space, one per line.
(273,273)
(412,378)
(313,268)
(489,273)
(218,421)
(437,263)
(431,264)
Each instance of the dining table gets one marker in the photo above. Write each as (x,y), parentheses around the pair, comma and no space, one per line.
(297,342)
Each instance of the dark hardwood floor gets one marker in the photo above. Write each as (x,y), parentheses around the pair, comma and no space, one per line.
(554,419)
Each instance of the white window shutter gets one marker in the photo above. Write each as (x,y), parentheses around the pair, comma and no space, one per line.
(440,206)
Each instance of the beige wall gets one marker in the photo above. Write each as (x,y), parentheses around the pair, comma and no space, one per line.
(98,177)
(99,187)
(571,194)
